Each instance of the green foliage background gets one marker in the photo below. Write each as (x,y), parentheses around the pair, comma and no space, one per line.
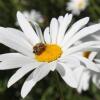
(48,88)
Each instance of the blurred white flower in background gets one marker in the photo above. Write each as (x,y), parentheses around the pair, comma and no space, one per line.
(32,16)
(76,6)
(83,73)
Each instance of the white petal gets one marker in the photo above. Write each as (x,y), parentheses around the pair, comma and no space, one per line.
(96,35)
(60,69)
(60,20)
(72,62)
(75,27)
(17,32)
(63,27)
(85,78)
(84,81)
(92,55)
(13,60)
(54,30)
(9,65)
(15,41)
(14,56)
(36,76)
(92,37)
(47,35)
(83,46)
(38,31)
(83,33)
(96,79)
(78,73)
(27,29)
(89,64)
(69,76)
(21,72)
(53,65)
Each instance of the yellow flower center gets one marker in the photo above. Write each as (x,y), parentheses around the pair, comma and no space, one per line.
(50,52)
(81,5)
(86,54)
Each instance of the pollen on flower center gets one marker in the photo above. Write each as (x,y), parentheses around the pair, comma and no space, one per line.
(48,53)
(86,54)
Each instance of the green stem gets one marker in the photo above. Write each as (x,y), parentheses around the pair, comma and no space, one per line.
(59,85)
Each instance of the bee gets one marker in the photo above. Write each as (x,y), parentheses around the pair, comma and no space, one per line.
(39,48)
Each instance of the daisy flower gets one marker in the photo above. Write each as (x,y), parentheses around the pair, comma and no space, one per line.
(83,72)
(96,60)
(76,6)
(95,75)
(44,53)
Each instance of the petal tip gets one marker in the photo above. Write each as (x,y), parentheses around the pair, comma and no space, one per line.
(23,95)
(8,85)
(18,12)
(87,18)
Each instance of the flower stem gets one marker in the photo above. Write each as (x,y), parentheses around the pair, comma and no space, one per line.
(59,85)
